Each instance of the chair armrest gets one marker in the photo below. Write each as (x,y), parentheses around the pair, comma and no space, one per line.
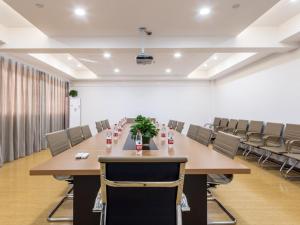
(272,138)
(253,134)
(209,125)
(238,131)
(292,144)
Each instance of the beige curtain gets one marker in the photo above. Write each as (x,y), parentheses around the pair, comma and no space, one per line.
(32,103)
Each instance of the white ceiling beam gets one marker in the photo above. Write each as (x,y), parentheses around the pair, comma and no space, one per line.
(31,40)
(290,30)
(3,37)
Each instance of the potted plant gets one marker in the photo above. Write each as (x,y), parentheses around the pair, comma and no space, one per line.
(146,127)
(73,93)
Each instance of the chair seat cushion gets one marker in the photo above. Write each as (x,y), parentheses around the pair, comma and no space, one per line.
(277,150)
(254,143)
(218,179)
(293,156)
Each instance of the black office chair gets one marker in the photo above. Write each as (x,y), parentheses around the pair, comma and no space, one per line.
(141,190)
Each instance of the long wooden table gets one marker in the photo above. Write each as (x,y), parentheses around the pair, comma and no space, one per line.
(201,161)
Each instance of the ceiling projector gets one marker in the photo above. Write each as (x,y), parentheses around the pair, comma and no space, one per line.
(142,58)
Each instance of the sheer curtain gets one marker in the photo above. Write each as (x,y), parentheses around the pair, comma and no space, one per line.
(32,103)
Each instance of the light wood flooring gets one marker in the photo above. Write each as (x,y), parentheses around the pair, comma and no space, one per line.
(262,198)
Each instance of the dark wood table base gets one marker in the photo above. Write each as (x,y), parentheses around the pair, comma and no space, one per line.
(87,187)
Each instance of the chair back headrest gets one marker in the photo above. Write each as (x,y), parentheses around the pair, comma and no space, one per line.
(130,120)
(75,135)
(103,123)
(107,124)
(223,122)
(58,142)
(99,126)
(217,121)
(204,135)
(180,126)
(192,131)
(273,129)
(256,126)
(232,124)
(226,144)
(292,132)
(242,125)
(86,131)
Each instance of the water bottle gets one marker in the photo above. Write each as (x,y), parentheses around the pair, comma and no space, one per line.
(116,134)
(139,143)
(171,138)
(108,138)
(120,127)
(163,131)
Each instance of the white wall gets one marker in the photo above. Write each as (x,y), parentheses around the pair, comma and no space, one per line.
(184,101)
(268,91)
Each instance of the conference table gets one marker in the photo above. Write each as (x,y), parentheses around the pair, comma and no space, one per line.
(86,172)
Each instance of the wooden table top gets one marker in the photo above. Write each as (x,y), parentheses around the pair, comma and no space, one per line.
(201,159)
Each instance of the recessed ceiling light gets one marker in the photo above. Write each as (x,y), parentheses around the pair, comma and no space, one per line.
(168,70)
(236,6)
(204,11)
(205,65)
(215,57)
(70,57)
(117,70)
(39,5)
(106,55)
(80,12)
(177,55)
(79,65)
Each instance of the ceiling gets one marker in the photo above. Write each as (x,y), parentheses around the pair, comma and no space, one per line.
(125,62)
(10,18)
(122,18)
(279,14)
(48,33)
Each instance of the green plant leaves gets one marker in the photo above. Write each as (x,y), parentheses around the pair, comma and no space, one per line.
(145,126)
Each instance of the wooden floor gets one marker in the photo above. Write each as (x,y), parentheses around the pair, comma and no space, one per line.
(262,198)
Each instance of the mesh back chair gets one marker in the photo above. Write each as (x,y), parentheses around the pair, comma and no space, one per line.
(75,135)
(174,124)
(231,126)
(254,127)
(180,126)
(290,149)
(227,145)
(103,123)
(216,123)
(192,131)
(139,190)
(223,125)
(203,136)
(170,123)
(130,120)
(58,142)
(271,136)
(86,131)
(107,124)
(99,126)
(241,129)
